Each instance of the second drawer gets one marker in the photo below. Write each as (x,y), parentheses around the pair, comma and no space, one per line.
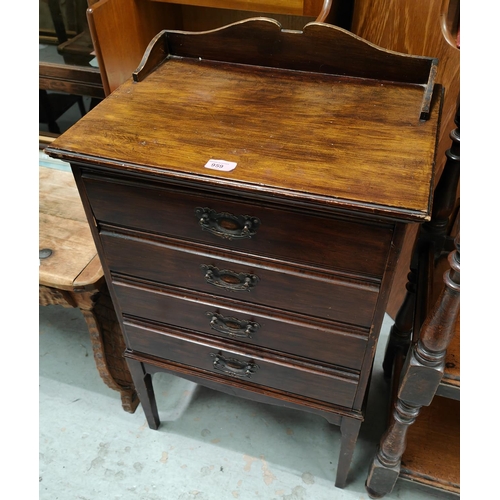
(251,281)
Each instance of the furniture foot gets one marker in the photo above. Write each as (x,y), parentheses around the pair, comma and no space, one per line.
(349,429)
(106,337)
(144,385)
(384,470)
(108,346)
(381,479)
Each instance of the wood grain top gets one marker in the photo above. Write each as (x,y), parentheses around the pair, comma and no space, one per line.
(346,142)
(64,229)
(432,454)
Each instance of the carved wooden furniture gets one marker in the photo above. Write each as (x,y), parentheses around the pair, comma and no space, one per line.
(122,29)
(424,29)
(71,78)
(423,355)
(248,191)
(71,276)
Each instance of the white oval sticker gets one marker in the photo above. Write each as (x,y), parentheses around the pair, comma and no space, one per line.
(222,165)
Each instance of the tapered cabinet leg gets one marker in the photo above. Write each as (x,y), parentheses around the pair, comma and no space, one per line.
(349,429)
(144,386)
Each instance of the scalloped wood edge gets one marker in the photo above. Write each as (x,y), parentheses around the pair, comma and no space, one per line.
(318,48)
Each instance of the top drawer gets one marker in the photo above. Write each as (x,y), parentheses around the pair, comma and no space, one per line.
(246,226)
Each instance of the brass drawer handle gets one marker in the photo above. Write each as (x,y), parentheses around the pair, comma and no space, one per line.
(232,326)
(233,366)
(229,280)
(226,225)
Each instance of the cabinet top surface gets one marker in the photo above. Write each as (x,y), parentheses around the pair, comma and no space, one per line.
(348,142)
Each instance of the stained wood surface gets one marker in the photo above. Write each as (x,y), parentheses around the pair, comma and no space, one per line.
(289,235)
(293,134)
(196,18)
(275,372)
(452,363)
(422,29)
(63,228)
(316,340)
(432,455)
(275,6)
(121,30)
(285,288)
(452,368)
(412,28)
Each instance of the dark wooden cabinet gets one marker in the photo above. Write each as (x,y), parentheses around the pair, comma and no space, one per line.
(249,190)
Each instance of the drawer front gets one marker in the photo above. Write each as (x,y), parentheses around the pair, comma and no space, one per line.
(277,373)
(286,289)
(345,245)
(206,315)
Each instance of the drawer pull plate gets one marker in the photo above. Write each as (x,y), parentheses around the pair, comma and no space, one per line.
(232,326)
(229,280)
(226,225)
(233,366)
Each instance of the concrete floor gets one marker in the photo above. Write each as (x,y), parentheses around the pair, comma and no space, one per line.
(210,446)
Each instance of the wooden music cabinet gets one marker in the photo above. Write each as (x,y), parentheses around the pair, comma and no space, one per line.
(248,191)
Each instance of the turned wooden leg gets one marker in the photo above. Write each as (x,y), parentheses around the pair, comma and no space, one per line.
(144,385)
(349,429)
(384,470)
(420,378)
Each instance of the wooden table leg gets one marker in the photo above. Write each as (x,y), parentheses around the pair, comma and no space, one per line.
(105,334)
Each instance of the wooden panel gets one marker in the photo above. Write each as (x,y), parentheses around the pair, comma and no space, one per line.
(432,455)
(121,31)
(257,127)
(289,333)
(58,196)
(72,249)
(208,18)
(277,373)
(284,288)
(71,79)
(64,229)
(344,245)
(412,28)
(295,7)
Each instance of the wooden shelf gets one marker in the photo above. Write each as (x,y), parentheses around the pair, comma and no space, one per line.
(432,455)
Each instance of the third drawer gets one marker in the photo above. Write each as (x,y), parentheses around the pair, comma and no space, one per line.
(258,326)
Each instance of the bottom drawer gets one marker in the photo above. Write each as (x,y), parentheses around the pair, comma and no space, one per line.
(330,386)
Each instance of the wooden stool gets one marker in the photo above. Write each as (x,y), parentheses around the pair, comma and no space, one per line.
(71,276)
